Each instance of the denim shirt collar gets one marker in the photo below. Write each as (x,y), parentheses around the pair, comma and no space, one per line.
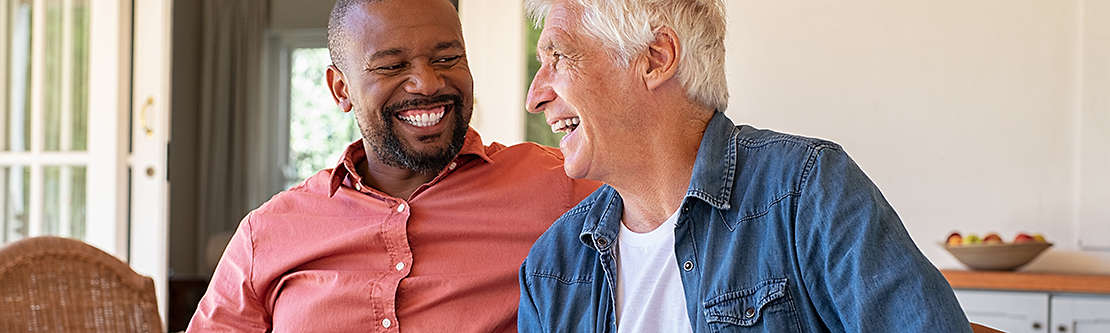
(715,166)
(711,182)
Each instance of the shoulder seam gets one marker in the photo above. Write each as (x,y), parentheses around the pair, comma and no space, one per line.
(811,162)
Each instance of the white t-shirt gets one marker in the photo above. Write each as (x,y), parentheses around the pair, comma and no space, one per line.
(650,297)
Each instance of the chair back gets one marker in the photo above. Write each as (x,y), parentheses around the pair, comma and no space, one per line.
(52,284)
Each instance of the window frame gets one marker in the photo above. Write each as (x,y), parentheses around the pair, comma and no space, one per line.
(279,58)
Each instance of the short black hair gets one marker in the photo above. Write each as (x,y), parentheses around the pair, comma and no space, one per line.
(338,37)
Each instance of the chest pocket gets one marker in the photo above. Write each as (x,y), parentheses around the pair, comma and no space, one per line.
(765,307)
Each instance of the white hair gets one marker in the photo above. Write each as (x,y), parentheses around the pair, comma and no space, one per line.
(626,27)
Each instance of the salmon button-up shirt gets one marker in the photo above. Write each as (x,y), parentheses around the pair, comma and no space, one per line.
(334,255)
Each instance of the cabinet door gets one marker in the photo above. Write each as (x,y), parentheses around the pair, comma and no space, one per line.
(1081,314)
(1014,312)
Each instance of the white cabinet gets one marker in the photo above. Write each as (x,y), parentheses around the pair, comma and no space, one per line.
(1081,314)
(1037,312)
(1013,312)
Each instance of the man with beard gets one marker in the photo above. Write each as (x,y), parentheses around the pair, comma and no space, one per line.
(420,227)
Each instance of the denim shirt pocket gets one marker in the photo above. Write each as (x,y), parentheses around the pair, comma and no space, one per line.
(765,307)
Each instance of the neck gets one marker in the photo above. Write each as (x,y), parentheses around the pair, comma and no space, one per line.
(653,188)
(394,181)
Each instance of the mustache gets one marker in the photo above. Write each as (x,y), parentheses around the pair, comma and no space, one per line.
(420,102)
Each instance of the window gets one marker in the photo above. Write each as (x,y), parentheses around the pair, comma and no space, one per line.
(61,136)
(318,131)
(312,132)
(44,110)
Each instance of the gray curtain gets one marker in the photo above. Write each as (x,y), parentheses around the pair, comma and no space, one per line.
(231,141)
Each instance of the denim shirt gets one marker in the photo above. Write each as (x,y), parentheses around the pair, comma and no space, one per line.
(777,233)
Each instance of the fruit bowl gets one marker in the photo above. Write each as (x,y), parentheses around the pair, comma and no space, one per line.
(1000,257)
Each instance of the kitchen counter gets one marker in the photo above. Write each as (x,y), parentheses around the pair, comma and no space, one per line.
(1020,281)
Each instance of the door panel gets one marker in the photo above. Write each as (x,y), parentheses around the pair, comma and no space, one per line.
(150,139)
(1013,312)
(1081,314)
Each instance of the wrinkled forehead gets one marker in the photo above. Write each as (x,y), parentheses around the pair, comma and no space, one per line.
(562,26)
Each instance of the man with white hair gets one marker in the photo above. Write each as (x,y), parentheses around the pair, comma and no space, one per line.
(703,225)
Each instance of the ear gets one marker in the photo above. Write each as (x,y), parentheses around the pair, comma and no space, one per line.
(337,84)
(662,58)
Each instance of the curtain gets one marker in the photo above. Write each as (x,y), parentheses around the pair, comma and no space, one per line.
(232,145)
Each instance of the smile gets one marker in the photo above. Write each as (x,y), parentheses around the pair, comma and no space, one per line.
(423,117)
(566,125)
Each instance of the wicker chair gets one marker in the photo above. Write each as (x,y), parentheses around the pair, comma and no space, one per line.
(51,284)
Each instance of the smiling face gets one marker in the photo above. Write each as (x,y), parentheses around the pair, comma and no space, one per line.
(583,92)
(405,76)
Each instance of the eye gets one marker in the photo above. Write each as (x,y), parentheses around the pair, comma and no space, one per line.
(556,58)
(390,68)
(448,60)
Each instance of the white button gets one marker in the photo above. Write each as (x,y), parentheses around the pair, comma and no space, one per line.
(400,266)
(452,166)
(386,323)
(400,208)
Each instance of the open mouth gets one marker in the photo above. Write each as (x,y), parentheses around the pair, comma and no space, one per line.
(424,117)
(566,125)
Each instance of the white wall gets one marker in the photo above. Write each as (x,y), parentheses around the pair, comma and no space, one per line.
(965,113)
(1094,212)
(494,33)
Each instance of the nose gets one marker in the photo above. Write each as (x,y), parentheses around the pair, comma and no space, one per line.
(540,92)
(424,80)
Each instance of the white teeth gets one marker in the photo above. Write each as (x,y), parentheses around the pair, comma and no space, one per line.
(423,120)
(564,125)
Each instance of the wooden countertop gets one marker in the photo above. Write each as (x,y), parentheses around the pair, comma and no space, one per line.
(1018,281)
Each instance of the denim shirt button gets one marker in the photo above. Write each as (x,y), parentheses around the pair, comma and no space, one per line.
(601,242)
(688,265)
(749,312)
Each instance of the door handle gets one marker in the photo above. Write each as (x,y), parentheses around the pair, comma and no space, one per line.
(143,117)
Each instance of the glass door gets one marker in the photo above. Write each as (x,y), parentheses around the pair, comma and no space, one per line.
(44,121)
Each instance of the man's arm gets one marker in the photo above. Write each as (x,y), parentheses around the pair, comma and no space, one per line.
(860,265)
(230,304)
(528,317)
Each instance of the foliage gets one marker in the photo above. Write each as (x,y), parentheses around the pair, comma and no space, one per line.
(536,128)
(318,131)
